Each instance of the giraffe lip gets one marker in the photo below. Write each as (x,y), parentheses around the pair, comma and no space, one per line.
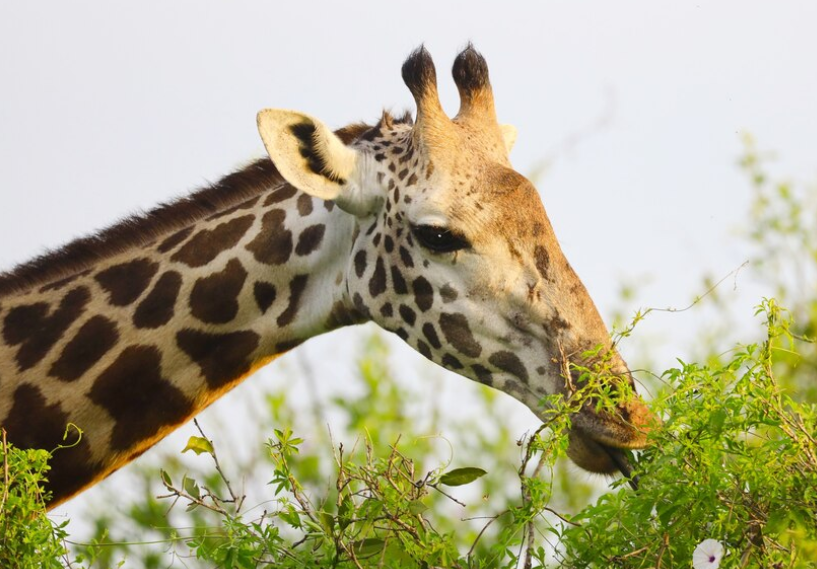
(619,458)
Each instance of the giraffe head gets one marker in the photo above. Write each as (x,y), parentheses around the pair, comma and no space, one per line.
(452,250)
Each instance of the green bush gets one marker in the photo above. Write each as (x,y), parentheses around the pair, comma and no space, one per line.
(28,539)
(401,483)
(735,461)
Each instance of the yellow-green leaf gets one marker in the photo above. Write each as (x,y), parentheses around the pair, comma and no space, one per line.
(328,521)
(198,445)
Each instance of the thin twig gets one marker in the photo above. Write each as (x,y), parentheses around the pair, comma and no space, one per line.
(664,546)
(449,496)
(482,531)
(5,471)
(238,502)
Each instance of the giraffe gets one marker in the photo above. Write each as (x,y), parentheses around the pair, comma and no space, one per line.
(420,225)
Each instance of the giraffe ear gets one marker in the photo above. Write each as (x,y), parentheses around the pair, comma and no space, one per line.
(313,159)
(509,135)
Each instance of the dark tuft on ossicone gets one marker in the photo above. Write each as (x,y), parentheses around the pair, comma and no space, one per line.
(419,73)
(470,72)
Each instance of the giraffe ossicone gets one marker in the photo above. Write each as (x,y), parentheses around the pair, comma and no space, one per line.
(421,226)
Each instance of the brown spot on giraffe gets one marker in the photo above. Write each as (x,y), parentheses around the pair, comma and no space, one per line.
(423,293)
(36,329)
(207,244)
(430,334)
(451,362)
(361,306)
(159,306)
(304,204)
(458,333)
(62,283)
(222,358)
(542,258)
(214,298)
(483,374)
(448,293)
(264,294)
(398,281)
(340,315)
(360,263)
(92,341)
(296,290)
(310,239)
(555,323)
(138,397)
(405,256)
(510,362)
(125,282)
(377,284)
(273,244)
(231,210)
(175,239)
(407,314)
(281,194)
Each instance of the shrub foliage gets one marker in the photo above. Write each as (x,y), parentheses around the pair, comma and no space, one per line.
(733,460)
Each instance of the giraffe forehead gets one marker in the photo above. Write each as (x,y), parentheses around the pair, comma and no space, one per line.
(450,149)
(487,202)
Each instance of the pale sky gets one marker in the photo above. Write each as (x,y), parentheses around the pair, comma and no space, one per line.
(636,107)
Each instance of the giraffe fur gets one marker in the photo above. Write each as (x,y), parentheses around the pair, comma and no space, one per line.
(420,226)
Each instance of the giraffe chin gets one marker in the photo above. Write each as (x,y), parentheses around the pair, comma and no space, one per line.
(595,456)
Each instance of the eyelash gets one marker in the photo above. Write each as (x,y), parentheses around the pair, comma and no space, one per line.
(439,239)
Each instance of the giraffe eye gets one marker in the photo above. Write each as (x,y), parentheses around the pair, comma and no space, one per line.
(439,239)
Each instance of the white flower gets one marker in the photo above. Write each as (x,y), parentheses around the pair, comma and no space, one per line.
(707,555)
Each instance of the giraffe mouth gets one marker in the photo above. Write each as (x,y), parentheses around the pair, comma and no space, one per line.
(622,463)
(594,455)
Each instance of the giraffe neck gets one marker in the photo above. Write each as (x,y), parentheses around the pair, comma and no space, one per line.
(135,342)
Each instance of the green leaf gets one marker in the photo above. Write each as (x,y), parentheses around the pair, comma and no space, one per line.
(665,515)
(290,515)
(461,476)
(166,480)
(716,422)
(198,445)
(345,511)
(328,521)
(417,507)
(369,546)
(191,487)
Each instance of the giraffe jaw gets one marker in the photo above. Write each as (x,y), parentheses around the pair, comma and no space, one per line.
(606,459)
(597,442)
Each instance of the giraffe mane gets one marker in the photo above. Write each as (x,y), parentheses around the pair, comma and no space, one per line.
(142,229)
